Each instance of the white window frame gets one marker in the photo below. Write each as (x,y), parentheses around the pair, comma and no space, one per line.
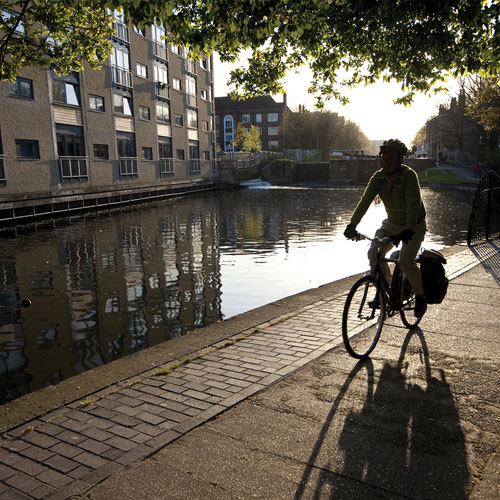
(245,117)
(176,84)
(272,131)
(272,117)
(258,118)
(141,70)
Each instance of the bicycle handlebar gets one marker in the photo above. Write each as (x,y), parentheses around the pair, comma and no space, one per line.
(386,239)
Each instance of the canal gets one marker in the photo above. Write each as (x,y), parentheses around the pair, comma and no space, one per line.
(106,284)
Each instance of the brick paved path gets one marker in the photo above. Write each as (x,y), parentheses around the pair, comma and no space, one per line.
(74,447)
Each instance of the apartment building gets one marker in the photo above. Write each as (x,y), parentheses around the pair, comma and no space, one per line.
(139,128)
(263,112)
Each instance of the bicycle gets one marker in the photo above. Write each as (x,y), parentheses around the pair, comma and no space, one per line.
(371,299)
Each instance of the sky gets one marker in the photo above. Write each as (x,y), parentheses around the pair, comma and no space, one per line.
(371,107)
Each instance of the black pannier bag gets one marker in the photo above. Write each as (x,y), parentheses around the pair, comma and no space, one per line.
(433,276)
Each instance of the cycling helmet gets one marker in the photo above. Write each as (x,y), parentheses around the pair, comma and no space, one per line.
(394,145)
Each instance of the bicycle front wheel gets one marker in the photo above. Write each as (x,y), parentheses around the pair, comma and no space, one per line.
(363,318)
(407,301)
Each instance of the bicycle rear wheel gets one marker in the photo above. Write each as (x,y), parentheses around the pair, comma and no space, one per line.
(363,317)
(407,301)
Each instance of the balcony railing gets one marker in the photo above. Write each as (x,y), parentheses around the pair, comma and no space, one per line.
(160,51)
(191,100)
(162,90)
(194,167)
(121,31)
(190,66)
(122,77)
(166,166)
(128,167)
(73,168)
(3,180)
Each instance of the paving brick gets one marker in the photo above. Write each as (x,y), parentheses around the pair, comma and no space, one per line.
(150,418)
(36,453)
(66,450)
(149,408)
(174,405)
(128,401)
(16,445)
(123,420)
(120,443)
(94,446)
(61,464)
(97,434)
(54,478)
(130,411)
(120,430)
(50,429)
(29,467)
(138,453)
(141,438)
(79,472)
(23,482)
(100,423)
(71,437)
(174,416)
(192,394)
(105,413)
(148,429)
(90,460)
(41,440)
(43,491)
(197,403)
(6,472)
(150,398)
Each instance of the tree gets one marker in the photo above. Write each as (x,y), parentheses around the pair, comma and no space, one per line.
(246,139)
(419,138)
(49,34)
(414,42)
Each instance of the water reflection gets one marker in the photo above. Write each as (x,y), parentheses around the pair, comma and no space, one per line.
(105,286)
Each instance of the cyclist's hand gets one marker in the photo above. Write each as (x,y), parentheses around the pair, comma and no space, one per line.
(404,236)
(350,232)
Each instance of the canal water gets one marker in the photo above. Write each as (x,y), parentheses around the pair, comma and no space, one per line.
(105,285)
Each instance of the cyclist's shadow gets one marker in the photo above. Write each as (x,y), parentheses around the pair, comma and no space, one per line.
(406,440)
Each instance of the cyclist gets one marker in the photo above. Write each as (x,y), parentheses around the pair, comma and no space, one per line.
(398,187)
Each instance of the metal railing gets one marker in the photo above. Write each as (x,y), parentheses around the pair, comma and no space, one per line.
(122,76)
(160,51)
(484,220)
(3,180)
(194,167)
(128,167)
(162,90)
(121,31)
(73,168)
(166,166)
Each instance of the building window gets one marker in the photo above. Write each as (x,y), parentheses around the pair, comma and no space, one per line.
(175,49)
(245,118)
(180,154)
(161,73)
(142,70)
(126,144)
(65,92)
(122,104)
(204,63)
(70,140)
(205,126)
(272,130)
(206,155)
(140,31)
(6,15)
(147,153)
(101,152)
(228,122)
(176,84)
(272,117)
(178,120)
(144,113)
(165,147)
(260,131)
(26,148)
(22,87)
(272,144)
(258,118)
(163,113)
(217,120)
(192,118)
(120,57)
(203,94)
(96,102)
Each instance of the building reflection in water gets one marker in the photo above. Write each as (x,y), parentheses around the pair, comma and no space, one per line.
(104,286)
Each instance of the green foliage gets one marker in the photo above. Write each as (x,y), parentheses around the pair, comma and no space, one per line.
(413,42)
(61,35)
(246,139)
(323,130)
(419,138)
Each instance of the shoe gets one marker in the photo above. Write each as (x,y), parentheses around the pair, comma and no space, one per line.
(420,306)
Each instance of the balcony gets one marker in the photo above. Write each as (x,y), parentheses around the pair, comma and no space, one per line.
(166,166)
(128,167)
(121,32)
(73,168)
(194,167)
(160,51)
(191,101)
(190,66)
(162,90)
(3,180)
(122,77)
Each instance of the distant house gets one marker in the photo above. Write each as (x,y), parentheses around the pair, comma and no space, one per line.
(263,112)
(452,134)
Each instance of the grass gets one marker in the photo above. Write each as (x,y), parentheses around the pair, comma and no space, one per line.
(444,176)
